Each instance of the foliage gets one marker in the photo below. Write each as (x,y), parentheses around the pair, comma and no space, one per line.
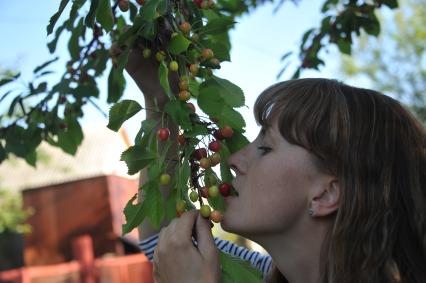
(12,215)
(395,62)
(193,37)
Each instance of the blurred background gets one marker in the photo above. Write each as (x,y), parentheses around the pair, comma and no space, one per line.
(69,204)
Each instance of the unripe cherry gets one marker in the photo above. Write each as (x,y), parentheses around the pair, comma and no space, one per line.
(165,179)
(184,95)
(146,53)
(207,53)
(205,210)
(215,159)
(216,216)
(213,191)
(163,134)
(193,68)
(180,206)
(160,55)
(185,27)
(205,163)
(174,66)
(183,85)
(193,196)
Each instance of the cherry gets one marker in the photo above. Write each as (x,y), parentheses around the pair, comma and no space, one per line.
(214,146)
(225,189)
(204,5)
(160,55)
(184,95)
(193,68)
(226,131)
(140,2)
(183,85)
(163,134)
(63,126)
(193,196)
(213,191)
(165,179)
(180,206)
(218,135)
(205,210)
(146,53)
(174,66)
(215,158)
(191,106)
(197,2)
(216,216)
(204,191)
(205,163)
(185,27)
(207,53)
(181,139)
(211,4)
(200,153)
(123,5)
(215,62)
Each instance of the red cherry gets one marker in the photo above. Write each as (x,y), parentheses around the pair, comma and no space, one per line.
(63,126)
(225,189)
(197,2)
(226,131)
(200,153)
(190,106)
(204,191)
(218,135)
(140,2)
(123,5)
(214,146)
(163,134)
(181,139)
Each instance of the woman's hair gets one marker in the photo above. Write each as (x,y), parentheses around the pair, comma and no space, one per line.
(377,151)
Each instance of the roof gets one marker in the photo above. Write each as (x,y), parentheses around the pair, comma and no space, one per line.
(99,154)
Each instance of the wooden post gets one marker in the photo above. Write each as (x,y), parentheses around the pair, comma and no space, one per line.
(82,248)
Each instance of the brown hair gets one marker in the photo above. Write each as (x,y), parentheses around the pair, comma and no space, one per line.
(377,150)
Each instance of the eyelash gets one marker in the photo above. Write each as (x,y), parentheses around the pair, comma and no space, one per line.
(265,149)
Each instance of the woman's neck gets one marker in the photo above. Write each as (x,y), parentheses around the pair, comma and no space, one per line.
(297,255)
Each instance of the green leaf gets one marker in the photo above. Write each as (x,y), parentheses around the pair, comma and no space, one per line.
(134,213)
(236,142)
(147,127)
(193,87)
(154,204)
(100,63)
(239,270)
(344,46)
(90,17)
(149,10)
(104,15)
(179,113)
(122,111)
(73,43)
(231,94)
(225,171)
(116,85)
(390,3)
(138,156)
(178,44)
(232,118)
(6,81)
(170,204)
(3,154)
(85,90)
(197,130)
(371,25)
(220,51)
(218,25)
(122,60)
(71,138)
(52,45)
(163,73)
(56,16)
(44,65)
(31,158)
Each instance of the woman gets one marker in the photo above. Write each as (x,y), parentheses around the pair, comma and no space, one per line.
(333,188)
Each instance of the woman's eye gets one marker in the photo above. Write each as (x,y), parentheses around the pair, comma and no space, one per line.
(264,149)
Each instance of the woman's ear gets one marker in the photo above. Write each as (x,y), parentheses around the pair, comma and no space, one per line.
(326,201)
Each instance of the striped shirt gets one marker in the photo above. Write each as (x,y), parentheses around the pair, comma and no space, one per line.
(256,259)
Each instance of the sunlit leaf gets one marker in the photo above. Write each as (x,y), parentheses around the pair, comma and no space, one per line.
(122,111)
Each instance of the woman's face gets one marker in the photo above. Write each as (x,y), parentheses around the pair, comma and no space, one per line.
(273,179)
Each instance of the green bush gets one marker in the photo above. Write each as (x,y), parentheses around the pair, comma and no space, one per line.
(12,215)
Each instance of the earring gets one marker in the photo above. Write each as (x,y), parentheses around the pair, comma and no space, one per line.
(310,211)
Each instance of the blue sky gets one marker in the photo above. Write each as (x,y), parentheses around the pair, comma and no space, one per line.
(258,41)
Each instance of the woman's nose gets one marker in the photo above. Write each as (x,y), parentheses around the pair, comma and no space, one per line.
(238,161)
